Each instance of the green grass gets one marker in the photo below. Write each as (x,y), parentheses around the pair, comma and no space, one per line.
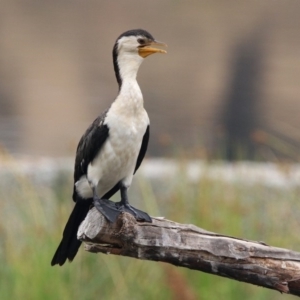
(32,218)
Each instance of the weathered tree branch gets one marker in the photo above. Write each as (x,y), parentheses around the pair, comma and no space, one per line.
(192,247)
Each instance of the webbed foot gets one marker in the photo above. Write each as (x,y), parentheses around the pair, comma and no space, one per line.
(107,208)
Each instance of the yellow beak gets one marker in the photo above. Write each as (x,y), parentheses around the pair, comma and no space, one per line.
(147,50)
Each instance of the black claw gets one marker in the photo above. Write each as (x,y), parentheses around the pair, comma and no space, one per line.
(107,208)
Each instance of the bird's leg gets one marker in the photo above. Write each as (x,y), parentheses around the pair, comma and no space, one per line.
(124,205)
(105,207)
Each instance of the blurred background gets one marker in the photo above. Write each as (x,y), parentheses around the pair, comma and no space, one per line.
(230,80)
(228,90)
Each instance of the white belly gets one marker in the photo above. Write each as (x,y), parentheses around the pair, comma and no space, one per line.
(117,159)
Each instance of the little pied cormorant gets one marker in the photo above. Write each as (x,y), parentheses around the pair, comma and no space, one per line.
(113,147)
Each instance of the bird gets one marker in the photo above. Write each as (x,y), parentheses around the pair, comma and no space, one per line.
(114,145)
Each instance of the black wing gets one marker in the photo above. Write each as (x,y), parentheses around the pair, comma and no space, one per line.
(143,150)
(89,145)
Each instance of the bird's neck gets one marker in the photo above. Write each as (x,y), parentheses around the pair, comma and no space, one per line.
(127,67)
(129,91)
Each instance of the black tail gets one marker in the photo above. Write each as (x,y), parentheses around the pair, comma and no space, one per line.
(69,244)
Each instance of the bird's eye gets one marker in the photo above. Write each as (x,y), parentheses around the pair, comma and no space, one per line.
(141,41)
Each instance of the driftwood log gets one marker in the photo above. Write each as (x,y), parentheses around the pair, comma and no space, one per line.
(192,247)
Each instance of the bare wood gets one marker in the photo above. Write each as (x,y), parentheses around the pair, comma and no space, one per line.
(195,248)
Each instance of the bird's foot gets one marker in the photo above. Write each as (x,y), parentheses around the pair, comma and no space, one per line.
(111,210)
(138,214)
(107,208)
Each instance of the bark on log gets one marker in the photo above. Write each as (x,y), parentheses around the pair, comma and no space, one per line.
(195,248)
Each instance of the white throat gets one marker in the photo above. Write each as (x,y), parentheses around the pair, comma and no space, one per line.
(129,63)
(130,92)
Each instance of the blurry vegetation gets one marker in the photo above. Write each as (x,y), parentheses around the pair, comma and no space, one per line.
(33,216)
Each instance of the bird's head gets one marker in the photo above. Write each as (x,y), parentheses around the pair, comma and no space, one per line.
(139,42)
(130,49)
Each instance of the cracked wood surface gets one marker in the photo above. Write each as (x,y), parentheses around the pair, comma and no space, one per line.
(191,247)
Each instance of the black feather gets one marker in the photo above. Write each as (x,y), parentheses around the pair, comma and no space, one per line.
(143,149)
(69,244)
(88,148)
